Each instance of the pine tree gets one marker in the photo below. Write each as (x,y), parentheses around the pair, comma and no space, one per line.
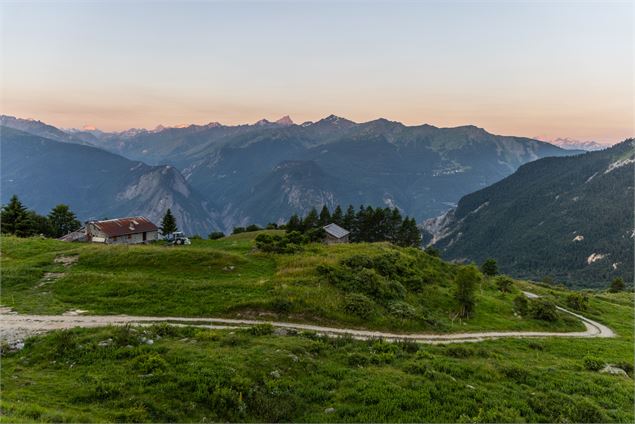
(338,216)
(62,221)
(348,222)
(325,216)
(14,218)
(168,224)
(409,234)
(312,220)
(394,222)
(294,224)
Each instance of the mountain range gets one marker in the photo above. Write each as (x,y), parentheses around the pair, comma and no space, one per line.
(264,172)
(570,218)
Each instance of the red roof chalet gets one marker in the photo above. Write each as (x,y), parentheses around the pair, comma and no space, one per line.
(123,226)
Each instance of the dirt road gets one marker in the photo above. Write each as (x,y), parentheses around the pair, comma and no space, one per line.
(15,327)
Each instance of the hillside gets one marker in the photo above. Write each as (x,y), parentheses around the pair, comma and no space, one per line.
(173,374)
(568,218)
(423,170)
(95,183)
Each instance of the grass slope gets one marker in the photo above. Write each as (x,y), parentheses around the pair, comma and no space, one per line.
(227,277)
(192,374)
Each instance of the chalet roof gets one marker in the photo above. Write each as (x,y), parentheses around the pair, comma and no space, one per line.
(336,231)
(123,226)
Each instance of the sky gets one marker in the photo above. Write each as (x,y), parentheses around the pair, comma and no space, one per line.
(537,69)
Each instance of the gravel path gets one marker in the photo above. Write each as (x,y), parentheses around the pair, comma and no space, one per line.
(15,327)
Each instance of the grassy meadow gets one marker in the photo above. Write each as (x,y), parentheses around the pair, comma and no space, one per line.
(230,278)
(259,374)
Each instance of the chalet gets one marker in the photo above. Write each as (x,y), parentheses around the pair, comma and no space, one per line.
(335,234)
(133,230)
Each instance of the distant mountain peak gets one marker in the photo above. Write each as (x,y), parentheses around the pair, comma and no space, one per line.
(263,121)
(285,120)
(335,120)
(573,144)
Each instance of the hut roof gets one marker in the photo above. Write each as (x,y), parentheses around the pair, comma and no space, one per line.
(336,231)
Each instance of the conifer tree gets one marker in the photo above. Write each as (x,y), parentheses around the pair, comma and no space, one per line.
(312,220)
(294,224)
(168,224)
(338,216)
(62,221)
(14,218)
(325,216)
(349,219)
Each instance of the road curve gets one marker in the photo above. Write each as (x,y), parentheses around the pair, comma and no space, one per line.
(14,327)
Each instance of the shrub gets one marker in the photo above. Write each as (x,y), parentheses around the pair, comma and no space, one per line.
(238,230)
(282,306)
(252,227)
(521,304)
(543,310)
(466,280)
(358,262)
(359,305)
(626,366)
(150,363)
(402,310)
(432,251)
(504,283)
(196,237)
(215,235)
(578,301)
(593,363)
(260,330)
(357,359)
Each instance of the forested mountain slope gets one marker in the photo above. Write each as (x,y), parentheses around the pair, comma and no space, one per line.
(569,218)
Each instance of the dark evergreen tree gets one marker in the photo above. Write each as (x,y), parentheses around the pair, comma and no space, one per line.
(617,285)
(168,224)
(325,216)
(338,216)
(348,222)
(62,221)
(409,234)
(489,267)
(393,225)
(294,224)
(14,218)
(312,220)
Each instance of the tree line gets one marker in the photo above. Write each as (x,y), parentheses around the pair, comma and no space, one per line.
(18,220)
(367,224)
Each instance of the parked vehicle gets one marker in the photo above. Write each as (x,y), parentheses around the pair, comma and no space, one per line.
(177,238)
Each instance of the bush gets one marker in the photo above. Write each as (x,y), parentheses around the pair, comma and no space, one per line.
(357,359)
(504,283)
(196,237)
(543,310)
(238,230)
(402,310)
(466,280)
(521,305)
(626,366)
(578,301)
(282,306)
(593,363)
(215,235)
(150,363)
(359,305)
(252,228)
(261,330)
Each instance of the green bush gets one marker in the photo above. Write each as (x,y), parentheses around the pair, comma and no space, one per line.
(402,310)
(260,330)
(215,235)
(521,305)
(543,310)
(357,359)
(504,283)
(149,363)
(578,301)
(593,363)
(359,305)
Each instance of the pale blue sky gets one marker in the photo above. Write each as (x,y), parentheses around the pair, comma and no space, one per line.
(552,69)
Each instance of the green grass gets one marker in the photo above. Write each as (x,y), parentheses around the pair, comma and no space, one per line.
(228,277)
(192,374)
